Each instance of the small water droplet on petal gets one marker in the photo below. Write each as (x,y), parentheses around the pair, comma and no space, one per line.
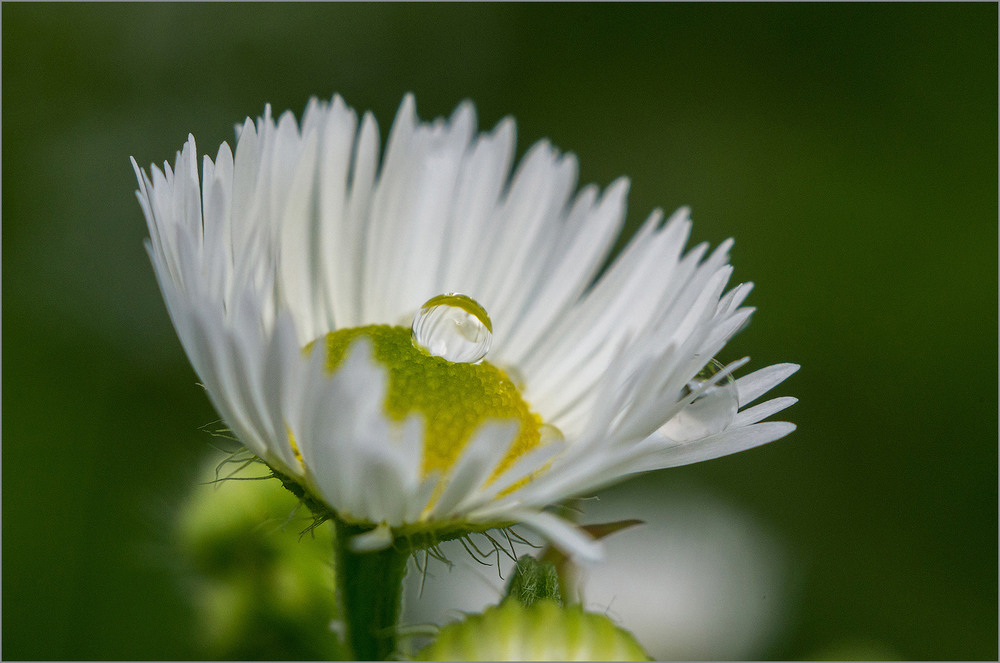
(453,326)
(710,413)
(549,434)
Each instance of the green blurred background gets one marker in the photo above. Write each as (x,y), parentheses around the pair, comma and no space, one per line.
(851,150)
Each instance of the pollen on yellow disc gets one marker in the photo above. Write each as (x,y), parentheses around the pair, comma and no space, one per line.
(294,445)
(453,397)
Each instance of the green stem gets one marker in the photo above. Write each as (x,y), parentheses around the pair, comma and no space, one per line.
(369,594)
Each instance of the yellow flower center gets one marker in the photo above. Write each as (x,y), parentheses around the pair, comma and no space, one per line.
(454,398)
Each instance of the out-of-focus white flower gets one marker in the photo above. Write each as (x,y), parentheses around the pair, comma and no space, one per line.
(294,269)
(701,580)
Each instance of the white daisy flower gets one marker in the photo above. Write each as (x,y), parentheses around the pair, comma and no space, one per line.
(314,290)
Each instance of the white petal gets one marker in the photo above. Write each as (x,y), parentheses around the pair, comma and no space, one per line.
(763,411)
(298,266)
(567,537)
(480,184)
(570,271)
(350,311)
(523,467)
(723,444)
(377,539)
(753,386)
(481,454)
(339,234)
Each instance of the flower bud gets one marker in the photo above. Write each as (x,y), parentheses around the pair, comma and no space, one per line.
(543,631)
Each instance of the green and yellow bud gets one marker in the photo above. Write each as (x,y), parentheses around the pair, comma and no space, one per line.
(543,631)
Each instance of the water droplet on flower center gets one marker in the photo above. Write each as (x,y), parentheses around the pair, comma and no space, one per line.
(708,414)
(454,327)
